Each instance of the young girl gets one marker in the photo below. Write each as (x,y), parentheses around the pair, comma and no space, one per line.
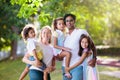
(33,49)
(85,51)
(59,35)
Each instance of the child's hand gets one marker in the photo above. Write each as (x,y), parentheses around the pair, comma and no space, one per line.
(92,62)
(67,69)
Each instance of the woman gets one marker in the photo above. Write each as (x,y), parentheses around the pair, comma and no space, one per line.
(36,73)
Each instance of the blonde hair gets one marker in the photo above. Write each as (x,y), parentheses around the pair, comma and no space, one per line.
(45,27)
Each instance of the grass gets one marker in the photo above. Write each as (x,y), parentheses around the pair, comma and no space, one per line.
(11,70)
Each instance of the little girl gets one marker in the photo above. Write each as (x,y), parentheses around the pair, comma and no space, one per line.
(85,51)
(59,35)
(33,49)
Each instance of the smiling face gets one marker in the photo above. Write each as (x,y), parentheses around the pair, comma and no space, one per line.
(70,22)
(45,35)
(84,43)
(31,33)
(60,25)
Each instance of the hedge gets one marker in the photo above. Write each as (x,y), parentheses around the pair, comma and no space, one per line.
(112,51)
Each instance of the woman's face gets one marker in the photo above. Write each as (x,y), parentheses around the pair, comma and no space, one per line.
(84,43)
(60,25)
(70,22)
(46,34)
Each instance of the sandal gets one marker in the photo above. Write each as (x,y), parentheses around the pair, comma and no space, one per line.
(67,75)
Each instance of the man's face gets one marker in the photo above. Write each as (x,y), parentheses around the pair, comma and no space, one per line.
(70,22)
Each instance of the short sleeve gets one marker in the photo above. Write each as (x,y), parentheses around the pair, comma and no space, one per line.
(55,34)
(31,45)
(85,50)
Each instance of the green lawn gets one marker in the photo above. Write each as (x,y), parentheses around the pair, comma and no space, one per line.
(11,70)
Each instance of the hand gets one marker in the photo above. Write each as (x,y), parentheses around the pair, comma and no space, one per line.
(66,49)
(92,62)
(37,63)
(53,68)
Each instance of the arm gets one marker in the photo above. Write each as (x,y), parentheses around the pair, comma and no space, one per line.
(52,67)
(53,64)
(92,61)
(84,55)
(27,61)
(59,47)
(35,54)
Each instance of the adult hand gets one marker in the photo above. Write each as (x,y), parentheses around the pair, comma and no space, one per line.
(66,49)
(37,63)
(92,62)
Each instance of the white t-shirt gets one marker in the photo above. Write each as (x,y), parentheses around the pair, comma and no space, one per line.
(32,44)
(48,54)
(72,42)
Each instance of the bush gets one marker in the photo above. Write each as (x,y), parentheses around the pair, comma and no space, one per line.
(112,51)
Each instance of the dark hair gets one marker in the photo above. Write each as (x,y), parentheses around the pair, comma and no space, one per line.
(89,44)
(54,24)
(25,31)
(66,15)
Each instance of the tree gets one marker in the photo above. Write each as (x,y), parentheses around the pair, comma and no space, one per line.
(95,16)
(10,26)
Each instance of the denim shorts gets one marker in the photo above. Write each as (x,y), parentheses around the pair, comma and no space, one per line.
(43,67)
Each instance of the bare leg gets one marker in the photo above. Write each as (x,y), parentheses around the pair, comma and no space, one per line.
(67,61)
(45,75)
(24,73)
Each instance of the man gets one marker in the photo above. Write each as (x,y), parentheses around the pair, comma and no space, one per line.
(72,42)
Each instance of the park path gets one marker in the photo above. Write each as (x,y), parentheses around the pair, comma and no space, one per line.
(110,63)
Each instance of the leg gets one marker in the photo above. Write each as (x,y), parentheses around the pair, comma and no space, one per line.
(67,55)
(24,73)
(45,75)
(67,62)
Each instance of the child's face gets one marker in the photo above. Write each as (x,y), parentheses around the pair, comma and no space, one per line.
(60,25)
(31,33)
(84,43)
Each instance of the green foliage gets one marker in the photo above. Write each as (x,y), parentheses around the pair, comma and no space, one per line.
(99,17)
(8,20)
(28,7)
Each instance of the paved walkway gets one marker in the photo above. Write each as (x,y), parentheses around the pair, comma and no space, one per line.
(110,63)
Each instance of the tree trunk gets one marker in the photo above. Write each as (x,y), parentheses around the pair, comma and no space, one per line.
(13,55)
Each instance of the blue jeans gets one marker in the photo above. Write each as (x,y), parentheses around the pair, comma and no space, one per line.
(43,67)
(76,73)
(37,75)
